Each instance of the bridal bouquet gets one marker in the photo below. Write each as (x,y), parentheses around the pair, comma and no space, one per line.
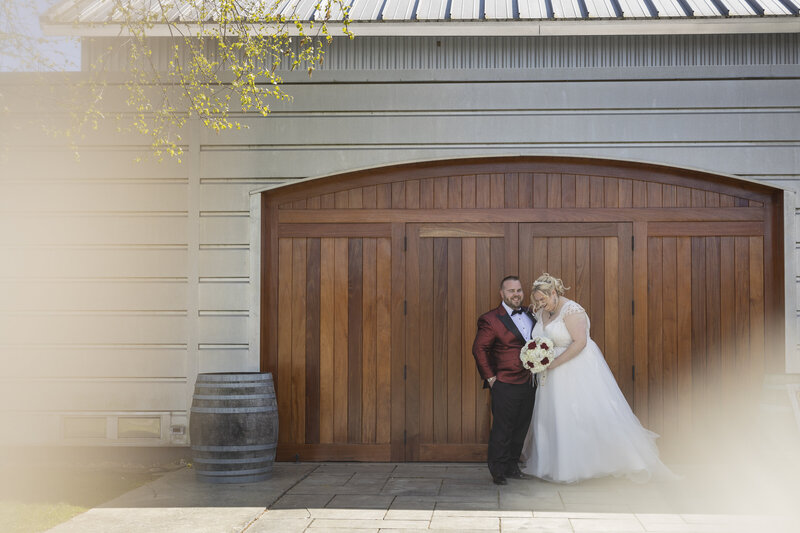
(537,354)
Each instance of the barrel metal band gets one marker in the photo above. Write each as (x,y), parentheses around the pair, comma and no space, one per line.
(233,396)
(265,409)
(246,448)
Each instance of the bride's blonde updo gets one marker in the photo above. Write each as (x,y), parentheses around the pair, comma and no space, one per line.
(546,283)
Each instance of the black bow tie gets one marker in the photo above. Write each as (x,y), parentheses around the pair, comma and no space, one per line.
(517,311)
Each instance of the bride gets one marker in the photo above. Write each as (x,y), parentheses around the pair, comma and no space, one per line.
(582,425)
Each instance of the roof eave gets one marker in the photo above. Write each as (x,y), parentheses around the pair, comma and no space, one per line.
(481,28)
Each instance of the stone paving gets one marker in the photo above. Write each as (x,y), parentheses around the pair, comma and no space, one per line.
(392,498)
(458,497)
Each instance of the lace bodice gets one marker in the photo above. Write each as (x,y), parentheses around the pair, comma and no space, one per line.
(557,329)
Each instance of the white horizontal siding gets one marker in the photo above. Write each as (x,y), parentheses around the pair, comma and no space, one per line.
(116,360)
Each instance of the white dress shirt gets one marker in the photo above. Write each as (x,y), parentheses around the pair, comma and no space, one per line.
(522,321)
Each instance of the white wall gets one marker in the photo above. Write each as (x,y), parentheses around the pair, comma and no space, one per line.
(123,280)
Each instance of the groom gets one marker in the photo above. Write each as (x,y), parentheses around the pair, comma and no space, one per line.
(501,334)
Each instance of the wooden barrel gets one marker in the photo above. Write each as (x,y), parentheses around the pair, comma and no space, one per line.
(234,427)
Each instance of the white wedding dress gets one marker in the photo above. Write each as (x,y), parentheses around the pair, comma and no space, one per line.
(582,425)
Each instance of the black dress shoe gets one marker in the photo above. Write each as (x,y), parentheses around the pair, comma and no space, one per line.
(499,480)
(518,474)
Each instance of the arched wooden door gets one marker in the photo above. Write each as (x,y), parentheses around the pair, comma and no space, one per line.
(373,281)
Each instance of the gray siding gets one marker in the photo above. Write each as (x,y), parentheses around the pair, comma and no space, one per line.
(124,280)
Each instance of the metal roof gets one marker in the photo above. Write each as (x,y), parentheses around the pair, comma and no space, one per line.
(477,17)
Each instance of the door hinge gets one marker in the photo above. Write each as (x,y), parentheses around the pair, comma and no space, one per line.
(633,307)
(405,307)
(405,371)
(405,437)
(632,241)
(405,244)
(633,373)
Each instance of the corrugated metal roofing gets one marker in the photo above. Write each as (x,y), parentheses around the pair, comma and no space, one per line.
(77,16)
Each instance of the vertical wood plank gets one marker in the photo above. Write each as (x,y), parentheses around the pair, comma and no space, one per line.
(398,343)
(453,346)
(412,194)
(483,191)
(526,190)
(369,197)
(612,311)
(440,339)
(568,190)
(354,339)
(553,190)
(582,191)
(454,192)
(626,311)
(698,305)
(326,339)
(583,273)
(417,343)
(727,318)
(683,197)
(468,192)
(355,198)
(654,198)
(312,344)
(539,190)
(341,334)
(598,298)
(757,322)
(640,336)
(671,286)
(440,194)
(469,317)
(669,196)
(511,194)
(341,199)
(611,186)
(713,349)
(655,402)
(596,191)
(684,345)
(539,259)
(426,193)
(284,385)
(327,201)
(313,202)
(526,272)
(639,195)
(298,310)
(554,266)
(497,193)
(398,195)
(625,193)
(742,305)
(369,330)
(384,196)
(426,342)
(484,302)
(383,341)
(568,267)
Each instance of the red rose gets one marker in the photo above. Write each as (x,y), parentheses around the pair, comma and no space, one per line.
(544,346)
(529,364)
(532,345)
(545,361)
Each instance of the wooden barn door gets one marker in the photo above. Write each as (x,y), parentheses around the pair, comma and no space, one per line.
(595,260)
(706,326)
(334,339)
(452,276)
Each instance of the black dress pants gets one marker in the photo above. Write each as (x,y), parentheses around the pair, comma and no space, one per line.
(512,408)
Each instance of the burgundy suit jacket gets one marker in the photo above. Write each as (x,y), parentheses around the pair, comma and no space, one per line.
(497,346)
